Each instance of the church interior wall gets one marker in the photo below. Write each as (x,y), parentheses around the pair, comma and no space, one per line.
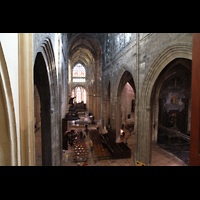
(51,46)
(143,59)
(150,47)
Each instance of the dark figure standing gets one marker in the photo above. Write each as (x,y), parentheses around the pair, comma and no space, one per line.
(81,134)
(123,134)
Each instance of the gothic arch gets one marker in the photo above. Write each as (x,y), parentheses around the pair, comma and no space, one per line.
(121,71)
(8,134)
(171,53)
(46,49)
(124,75)
(45,74)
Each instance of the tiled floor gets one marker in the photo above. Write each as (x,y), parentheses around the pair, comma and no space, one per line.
(38,148)
(92,161)
(160,157)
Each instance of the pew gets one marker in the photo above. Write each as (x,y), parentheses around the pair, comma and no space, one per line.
(126,151)
(116,151)
(107,141)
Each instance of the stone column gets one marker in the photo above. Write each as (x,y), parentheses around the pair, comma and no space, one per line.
(26,97)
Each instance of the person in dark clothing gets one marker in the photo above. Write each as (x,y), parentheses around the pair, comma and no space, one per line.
(86,129)
(81,134)
(123,134)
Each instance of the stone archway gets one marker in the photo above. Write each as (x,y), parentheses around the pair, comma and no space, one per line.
(46,58)
(42,83)
(144,126)
(8,134)
(124,77)
(171,99)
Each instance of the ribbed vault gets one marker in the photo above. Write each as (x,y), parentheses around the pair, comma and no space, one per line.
(85,48)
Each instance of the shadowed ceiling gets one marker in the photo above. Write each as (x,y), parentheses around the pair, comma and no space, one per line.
(83,47)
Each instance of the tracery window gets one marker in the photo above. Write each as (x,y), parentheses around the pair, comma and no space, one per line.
(78,98)
(122,40)
(108,47)
(79,73)
(80,94)
(127,38)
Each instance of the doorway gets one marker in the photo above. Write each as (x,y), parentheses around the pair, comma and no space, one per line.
(125,118)
(42,84)
(171,109)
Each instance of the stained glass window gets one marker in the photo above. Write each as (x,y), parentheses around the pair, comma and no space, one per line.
(79,72)
(108,47)
(119,41)
(84,96)
(122,40)
(78,98)
(78,79)
(72,93)
(80,94)
(127,38)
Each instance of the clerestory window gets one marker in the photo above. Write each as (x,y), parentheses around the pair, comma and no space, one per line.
(108,47)
(122,40)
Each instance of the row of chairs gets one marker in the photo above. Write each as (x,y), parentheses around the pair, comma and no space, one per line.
(80,151)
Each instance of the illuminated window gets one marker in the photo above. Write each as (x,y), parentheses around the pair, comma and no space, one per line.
(121,41)
(127,38)
(78,98)
(84,96)
(78,79)
(80,94)
(108,47)
(79,73)
(72,93)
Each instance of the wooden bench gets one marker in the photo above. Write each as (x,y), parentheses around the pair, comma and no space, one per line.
(126,151)
(116,151)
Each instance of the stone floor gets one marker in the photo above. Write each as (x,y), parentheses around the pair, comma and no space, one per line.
(38,148)
(160,157)
(93,161)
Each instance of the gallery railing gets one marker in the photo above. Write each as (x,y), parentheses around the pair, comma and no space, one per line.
(175,142)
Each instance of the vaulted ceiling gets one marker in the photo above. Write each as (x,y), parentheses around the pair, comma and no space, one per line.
(83,47)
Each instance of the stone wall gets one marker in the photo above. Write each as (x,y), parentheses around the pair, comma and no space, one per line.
(145,57)
(54,51)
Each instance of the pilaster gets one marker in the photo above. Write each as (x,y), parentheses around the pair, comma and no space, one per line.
(26,97)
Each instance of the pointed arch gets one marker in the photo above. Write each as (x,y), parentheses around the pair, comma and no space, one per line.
(47,83)
(124,75)
(143,135)
(8,145)
(117,80)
